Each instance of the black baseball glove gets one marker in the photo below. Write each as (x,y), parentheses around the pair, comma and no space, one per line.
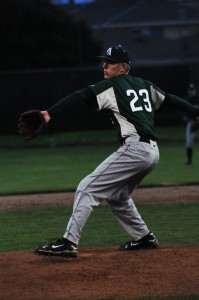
(31,123)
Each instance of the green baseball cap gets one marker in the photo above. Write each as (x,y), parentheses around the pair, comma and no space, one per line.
(116,54)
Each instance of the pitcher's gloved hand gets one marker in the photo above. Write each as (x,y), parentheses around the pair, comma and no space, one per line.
(31,123)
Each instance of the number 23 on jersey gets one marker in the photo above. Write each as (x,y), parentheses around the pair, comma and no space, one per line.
(144,95)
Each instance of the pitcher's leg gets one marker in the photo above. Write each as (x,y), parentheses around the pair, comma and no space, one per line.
(123,206)
(67,246)
(129,218)
(83,206)
(96,186)
(114,180)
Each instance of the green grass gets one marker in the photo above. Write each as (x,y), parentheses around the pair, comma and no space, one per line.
(172,169)
(39,166)
(24,229)
(45,169)
(30,170)
(96,137)
(60,139)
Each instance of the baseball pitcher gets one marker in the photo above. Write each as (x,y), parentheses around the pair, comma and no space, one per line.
(130,102)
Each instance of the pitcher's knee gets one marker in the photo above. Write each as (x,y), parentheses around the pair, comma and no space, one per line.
(119,196)
(82,186)
(121,202)
(85,196)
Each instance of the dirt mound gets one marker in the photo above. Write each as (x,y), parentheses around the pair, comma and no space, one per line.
(101,272)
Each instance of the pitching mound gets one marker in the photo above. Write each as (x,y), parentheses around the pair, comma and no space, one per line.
(101,272)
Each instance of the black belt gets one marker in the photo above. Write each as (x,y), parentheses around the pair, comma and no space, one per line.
(145,140)
(142,139)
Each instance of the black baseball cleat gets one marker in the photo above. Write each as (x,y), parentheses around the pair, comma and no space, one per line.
(61,247)
(147,242)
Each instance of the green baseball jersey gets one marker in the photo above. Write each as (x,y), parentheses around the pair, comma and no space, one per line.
(131,102)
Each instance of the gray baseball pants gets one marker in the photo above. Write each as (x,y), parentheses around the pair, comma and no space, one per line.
(189,134)
(114,180)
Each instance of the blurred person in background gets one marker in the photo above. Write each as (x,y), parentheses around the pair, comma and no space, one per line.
(191,123)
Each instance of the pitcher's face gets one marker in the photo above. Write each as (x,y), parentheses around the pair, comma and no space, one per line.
(113,69)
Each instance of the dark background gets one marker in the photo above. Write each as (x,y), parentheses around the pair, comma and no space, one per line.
(48,51)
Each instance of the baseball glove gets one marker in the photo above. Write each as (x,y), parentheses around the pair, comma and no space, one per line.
(31,123)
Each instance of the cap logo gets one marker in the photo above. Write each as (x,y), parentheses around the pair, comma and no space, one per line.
(108,52)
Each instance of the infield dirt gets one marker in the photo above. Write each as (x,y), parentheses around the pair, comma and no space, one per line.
(101,272)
